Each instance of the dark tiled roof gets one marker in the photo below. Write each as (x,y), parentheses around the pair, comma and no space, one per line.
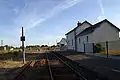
(86,22)
(78,26)
(93,27)
(72,30)
(86,31)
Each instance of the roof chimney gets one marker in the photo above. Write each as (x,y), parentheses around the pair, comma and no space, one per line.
(78,24)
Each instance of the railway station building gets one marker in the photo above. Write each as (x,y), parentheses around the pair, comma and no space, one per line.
(86,33)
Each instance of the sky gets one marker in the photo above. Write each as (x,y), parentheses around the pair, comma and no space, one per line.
(47,21)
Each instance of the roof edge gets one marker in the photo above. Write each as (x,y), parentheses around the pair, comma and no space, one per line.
(105,20)
(78,26)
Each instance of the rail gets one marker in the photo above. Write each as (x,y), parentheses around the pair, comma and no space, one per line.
(68,65)
(20,75)
(81,71)
(50,71)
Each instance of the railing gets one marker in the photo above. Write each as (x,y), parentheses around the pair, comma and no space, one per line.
(107,49)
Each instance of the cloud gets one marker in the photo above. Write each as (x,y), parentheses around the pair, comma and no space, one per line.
(102,14)
(16,10)
(101,17)
(101,7)
(31,16)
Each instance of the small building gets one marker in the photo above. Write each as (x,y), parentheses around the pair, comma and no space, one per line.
(87,33)
(11,49)
(62,44)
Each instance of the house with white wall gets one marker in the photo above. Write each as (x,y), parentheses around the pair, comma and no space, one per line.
(62,42)
(62,45)
(88,33)
(71,35)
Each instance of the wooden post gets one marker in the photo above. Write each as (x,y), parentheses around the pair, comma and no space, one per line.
(84,47)
(107,48)
(93,48)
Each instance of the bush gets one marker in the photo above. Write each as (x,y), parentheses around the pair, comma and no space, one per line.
(9,52)
(98,48)
(16,53)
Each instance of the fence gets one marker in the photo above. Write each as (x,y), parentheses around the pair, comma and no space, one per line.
(108,48)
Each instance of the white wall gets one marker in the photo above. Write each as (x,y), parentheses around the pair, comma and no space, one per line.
(63,41)
(82,27)
(83,39)
(80,45)
(101,34)
(70,37)
(105,33)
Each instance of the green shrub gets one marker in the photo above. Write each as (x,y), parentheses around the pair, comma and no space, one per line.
(9,52)
(15,53)
(98,48)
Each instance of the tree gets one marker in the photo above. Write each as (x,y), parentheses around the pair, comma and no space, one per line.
(53,46)
(46,45)
(1,47)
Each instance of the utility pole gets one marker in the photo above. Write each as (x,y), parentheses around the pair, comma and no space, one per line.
(1,42)
(23,39)
(48,43)
(56,42)
(2,48)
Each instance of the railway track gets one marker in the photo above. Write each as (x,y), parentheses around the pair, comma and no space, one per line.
(81,71)
(58,70)
(53,66)
(20,76)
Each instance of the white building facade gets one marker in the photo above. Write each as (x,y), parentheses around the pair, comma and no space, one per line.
(62,42)
(88,33)
(62,45)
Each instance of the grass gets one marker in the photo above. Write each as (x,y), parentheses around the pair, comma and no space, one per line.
(10,61)
(111,52)
(10,56)
(10,64)
(6,66)
(114,52)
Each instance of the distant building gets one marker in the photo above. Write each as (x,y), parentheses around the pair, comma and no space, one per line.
(5,48)
(87,33)
(62,44)
(11,49)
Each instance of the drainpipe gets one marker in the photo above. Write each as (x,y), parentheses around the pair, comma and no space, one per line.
(75,41)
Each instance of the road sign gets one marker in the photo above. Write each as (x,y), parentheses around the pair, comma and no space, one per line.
(22,38)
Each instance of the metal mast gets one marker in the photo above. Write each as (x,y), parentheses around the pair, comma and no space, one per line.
(23,39)
(1,42)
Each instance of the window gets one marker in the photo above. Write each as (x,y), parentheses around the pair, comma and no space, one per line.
(87,38)
(72,42)
(79,41)
(62,44)
(68,43)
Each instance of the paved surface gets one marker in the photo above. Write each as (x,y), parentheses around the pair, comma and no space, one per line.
(106,66)
(104,56)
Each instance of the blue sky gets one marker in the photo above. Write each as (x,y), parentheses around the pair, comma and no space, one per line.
(47,21)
